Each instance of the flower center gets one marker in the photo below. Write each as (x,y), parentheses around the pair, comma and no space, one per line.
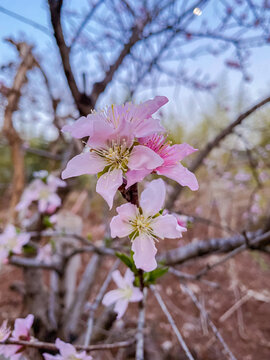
(141,225)
(126,292)
(116,156)
(44,194)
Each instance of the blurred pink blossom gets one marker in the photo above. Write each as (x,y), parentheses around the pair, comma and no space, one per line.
(171,167)
(4,332)
(45,253)
(67,352)
(125,293)
(12,242)
(146,225)
(21,332)
(110,148)
(44,192)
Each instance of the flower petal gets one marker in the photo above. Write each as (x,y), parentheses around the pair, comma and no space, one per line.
(127,211)
(153,197)
(144,253)
(148,127)
(183,150)
(129,277)
(142,158)
(121,307)
(111,297)
(119,227)
(81,127)
(180,174)
(166,226)
(65,349)
(84,163)
(118,279)
(134,176)
(108,184)
(137,295)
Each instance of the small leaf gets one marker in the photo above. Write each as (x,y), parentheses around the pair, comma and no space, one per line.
(152,276)
(126,260)
(47,222)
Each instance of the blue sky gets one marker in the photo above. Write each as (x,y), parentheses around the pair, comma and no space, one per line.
(187,102)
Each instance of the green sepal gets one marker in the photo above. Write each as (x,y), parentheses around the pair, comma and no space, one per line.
(151,277)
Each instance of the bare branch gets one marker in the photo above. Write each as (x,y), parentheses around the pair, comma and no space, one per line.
(96,303)
(202,248)
(193,297)
(172,323)
(52,347)
(140,328)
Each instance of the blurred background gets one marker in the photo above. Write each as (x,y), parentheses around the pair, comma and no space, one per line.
(59,60)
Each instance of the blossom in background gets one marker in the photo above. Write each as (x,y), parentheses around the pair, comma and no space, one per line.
(45,253)
(171,166)
(21,332)
(125,293)
(67,352)
(112,148)
(44,192)
(146,224)
(12,242)
(4,332)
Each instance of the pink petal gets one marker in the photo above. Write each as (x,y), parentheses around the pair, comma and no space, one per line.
(84,163)
(183,150)
(120,307)
(80,128)
(118,279)
(136,295)
(102,132)
(111,297)
(142,158)
(127,211)
(180,174)
(149,107)
(42,205)
(153,197)
(65,349)
(134,176)
(120,227)
(51,357)
(144,253)
(22,326)
(148,127)
(108,184)
(166,226)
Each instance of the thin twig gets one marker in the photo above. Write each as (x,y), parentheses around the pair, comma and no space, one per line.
(140,328)
(52,347)
(96,303)
(172,323)
(193,297)
(186,276)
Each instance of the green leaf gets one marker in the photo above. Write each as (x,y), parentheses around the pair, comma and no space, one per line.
(29,249)
(46,222)
(126,260)
(152,276)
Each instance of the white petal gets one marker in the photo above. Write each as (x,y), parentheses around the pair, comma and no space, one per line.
(144,253)
(108,185)
(166,226)
(153,197)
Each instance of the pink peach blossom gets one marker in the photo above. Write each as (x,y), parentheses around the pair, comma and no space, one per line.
(21,332)
(67,352)
(146,224)
(125,293)
(171,166)
(12,242)
(44,192)
(110,148)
